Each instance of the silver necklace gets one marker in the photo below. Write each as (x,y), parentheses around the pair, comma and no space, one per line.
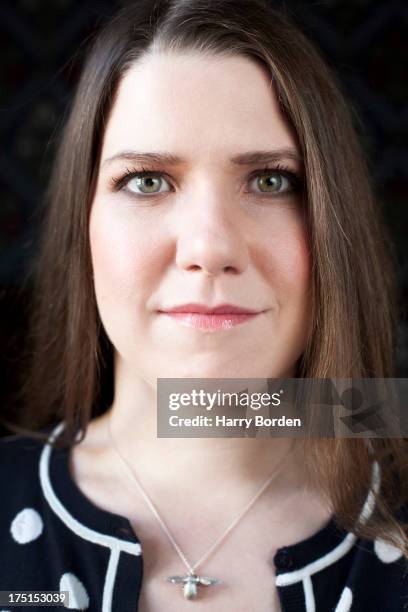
(191,580)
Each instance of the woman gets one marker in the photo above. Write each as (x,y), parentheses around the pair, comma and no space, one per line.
(208,159)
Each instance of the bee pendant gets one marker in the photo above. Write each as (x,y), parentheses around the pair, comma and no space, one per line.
(190,583)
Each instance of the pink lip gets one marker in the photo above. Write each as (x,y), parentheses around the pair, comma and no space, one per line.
(199,316)
(201,308)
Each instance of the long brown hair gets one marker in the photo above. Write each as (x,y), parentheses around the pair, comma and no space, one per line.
(353,283)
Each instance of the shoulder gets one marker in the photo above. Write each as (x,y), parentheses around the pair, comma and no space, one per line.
(16,451)
(19,467)
(402,513)
(379,573)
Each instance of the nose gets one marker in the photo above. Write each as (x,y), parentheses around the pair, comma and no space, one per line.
(211,237)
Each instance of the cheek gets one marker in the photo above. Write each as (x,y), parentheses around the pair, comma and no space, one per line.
(123,257)
(293,276)
(289,263)
(294,262)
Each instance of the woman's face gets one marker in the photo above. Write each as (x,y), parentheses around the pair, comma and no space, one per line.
(204,228)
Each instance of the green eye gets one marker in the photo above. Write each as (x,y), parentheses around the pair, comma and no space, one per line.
(147,184)
(272,182)
(268,181)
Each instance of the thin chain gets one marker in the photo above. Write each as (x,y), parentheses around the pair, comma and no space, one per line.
(148,501)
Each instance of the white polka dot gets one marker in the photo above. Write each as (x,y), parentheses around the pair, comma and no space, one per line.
(26,526)
(345,601)
(386,552)
(78,597)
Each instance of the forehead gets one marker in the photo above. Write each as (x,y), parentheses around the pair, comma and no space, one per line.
(196,105)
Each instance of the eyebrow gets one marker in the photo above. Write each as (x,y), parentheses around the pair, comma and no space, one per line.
(243,159)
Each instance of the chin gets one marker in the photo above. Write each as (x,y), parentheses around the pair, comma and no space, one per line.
(240,370)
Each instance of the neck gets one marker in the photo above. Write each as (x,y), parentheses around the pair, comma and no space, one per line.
(216,463)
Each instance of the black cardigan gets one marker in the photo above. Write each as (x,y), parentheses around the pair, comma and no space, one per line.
(54,538)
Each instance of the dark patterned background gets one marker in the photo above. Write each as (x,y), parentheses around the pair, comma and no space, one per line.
(42,45)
